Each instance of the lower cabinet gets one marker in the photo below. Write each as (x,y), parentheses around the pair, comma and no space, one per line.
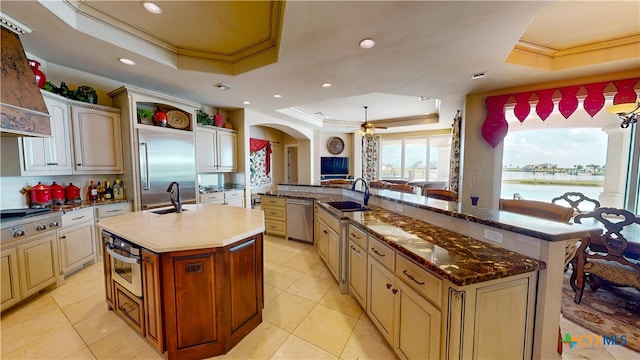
(382,295)
(275,215)
(358,273)
(417,325)
(10,285)
(38,262)
(129,307)
(76,238)
(152,299)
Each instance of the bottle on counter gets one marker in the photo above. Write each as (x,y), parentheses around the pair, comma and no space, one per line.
(118,190)
(108,191)
(92,192)
(100,189)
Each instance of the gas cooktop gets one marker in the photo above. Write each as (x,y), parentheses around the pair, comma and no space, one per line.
(22,213)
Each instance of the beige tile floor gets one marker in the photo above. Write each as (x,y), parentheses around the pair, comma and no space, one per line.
(305,317)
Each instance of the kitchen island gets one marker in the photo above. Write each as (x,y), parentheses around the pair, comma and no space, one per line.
(200,274)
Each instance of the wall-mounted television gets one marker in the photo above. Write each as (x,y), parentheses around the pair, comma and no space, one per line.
(334,165)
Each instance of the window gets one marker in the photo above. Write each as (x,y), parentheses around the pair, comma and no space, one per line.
(411,159)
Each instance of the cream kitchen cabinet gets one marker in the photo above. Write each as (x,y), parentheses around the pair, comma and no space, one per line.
(228,197)
(10,286)
(358,265)
(275,215)
(216,149)
(37,263)
(417,325)
(97,140)
(104,212)
(77,241)
(381,298)
(328,236)
(49,156)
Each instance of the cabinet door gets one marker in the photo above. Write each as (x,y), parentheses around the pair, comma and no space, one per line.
(418,326)
(322,239)
(333,253)
(381,299)
(108,281)
(206,150)
(358,273)
(246,283)
(77,246)
(50,156)
(235,202)
(97,141)
(38,261)
(152,300)
(9,281)
(227,151)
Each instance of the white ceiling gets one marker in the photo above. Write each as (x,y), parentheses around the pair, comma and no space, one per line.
(423,49)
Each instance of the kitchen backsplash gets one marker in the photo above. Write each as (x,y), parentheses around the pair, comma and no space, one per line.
(10,186)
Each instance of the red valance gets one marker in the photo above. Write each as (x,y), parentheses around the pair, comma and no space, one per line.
(495,126)
(257,145)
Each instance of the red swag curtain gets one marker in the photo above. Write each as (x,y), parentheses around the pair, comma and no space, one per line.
(257,145)
(495,126)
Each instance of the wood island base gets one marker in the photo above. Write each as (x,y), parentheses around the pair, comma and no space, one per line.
(195,303)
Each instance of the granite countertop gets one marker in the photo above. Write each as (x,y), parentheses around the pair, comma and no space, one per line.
(457,258)
(85,204)
(197,227)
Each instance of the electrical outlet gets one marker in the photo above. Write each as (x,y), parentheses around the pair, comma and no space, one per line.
(493,235)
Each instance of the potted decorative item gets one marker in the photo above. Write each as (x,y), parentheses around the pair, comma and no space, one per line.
(203,118)
(159,118)
(144,116)
(474,194)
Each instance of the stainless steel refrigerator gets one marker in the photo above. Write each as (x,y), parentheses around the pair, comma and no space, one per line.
(166,157)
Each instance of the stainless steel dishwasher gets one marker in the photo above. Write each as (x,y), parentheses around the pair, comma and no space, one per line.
(300,220)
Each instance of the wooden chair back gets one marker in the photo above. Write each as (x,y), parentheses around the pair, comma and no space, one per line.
(403,188)
(441,194)
(574,199)
(539,209)
(339,182)
(379,185)
(603,255)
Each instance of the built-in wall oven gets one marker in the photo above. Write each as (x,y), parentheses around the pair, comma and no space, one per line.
(126,262)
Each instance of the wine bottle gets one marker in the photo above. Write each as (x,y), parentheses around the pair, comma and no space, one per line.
(118,191)
(92,192)
(108,191)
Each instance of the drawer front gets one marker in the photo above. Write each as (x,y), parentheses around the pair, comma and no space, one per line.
(381,252)
(273,201)
(77,217)
(419,279)
(212,197)
(129,307)
(330,220)
(106,211)
(275,228)
(233,194)
(275,213)
(358,236)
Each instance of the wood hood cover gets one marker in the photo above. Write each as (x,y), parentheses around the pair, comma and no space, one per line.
(22,107)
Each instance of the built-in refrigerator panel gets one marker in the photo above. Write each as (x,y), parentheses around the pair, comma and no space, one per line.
(165,157)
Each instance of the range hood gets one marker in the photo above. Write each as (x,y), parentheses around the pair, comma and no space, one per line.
(22,108)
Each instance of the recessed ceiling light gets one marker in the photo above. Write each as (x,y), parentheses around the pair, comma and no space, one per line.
(222,86)
(367,43)
(152,8)
(478,76)
(326,85)
(126,61)
(277,96)
(246,102)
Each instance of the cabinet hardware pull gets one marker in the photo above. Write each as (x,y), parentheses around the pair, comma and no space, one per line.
(394,291)
(325,231)
(356,250)
(412,278)
(355,236)
(388,286)
(78,164)
(110,211)
(376,251)
(77,218)
(63,237)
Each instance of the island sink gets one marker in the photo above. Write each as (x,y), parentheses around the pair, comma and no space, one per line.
(347,206)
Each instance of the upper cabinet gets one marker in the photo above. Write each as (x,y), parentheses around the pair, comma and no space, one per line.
(216,149)
(85,139)
(50,156)
(97,140)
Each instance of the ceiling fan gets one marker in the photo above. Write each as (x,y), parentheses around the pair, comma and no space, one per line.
(367,128)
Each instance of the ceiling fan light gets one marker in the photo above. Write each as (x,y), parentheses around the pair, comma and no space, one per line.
(627,112)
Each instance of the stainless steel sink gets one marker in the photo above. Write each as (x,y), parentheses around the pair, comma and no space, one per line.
(347,206)
(165,211)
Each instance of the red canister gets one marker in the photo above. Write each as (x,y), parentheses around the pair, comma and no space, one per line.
(40,195)
(72,194)
(159,118)
(57,194)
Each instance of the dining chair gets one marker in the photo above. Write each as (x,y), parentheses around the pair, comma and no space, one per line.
(339,182)
(606,256)
(574,199)
(379,185)
(403,188)
(536,208)
(441,194)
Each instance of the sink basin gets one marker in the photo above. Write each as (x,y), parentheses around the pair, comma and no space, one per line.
(165,211)
(347,206)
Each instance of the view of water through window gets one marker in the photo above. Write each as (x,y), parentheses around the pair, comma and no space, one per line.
(543,164)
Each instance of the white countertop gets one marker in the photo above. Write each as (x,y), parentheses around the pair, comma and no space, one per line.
(197,227)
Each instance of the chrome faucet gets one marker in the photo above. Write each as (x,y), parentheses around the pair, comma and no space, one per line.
(366,189)
(177,202)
